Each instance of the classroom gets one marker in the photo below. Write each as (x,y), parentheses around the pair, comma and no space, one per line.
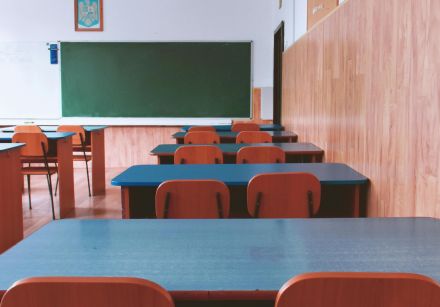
(191,153)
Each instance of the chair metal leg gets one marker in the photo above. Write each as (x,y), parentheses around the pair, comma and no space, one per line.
(49,184)
(29,190)
(56,185)
(88,179)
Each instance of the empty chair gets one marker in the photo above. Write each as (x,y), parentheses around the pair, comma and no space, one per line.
(192,199)
(238,127)
(201,128)
(201,137)
(78,142)
(35,151)
(86,292)
(28,129)
(283,195)
(206,154)
(261,154)
(359,290)
(253,137)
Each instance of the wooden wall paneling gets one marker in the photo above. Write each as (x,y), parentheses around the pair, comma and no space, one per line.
(319,9)
(364,86)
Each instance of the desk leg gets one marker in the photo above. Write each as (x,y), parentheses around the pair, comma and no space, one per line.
(11,211)
(125,200)
(65,174)
(98,162)
(356,201)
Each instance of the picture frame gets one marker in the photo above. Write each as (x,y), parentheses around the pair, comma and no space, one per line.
(89,15)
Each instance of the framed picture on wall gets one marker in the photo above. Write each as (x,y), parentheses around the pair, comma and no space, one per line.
(88,15)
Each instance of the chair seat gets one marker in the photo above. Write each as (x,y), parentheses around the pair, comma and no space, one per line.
(81,158)
(38,170)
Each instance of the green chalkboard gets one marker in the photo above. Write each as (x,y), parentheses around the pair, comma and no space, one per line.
(183,79)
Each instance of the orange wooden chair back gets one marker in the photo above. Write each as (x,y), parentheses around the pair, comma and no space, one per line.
(201,137)
(78,130)
(28,129)
(250,137)
(192,199)
(283,195)
(359,290)
(33,143)
(238,127)
(261,154)
(201,128)
(86,292)
(198,155)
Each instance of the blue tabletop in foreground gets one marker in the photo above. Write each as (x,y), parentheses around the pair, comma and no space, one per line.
(9,146)
(235,174)
(54,128)
(7,136)
(263,127)
(214,255)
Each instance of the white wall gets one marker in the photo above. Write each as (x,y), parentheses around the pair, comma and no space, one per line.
(26,25)
(286,14)
(300,18)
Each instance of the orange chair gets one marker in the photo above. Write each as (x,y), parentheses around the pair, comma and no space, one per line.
(86,292)
(28,129)
(359,290)
(192,199)
(205,154)
(238,127)
(250,137)
(283,195)
(78,142)
(201,128)
(201,137)
(35,151)
(261,154)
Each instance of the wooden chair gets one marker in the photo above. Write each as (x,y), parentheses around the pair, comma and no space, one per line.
(206,154)
(28,129)
(201,137)
(201,128)
(261,154)
(86,292)
(192,199)
(238,127)
(250,137)
(78,141)
(359,290)
(283,195)
(35,151)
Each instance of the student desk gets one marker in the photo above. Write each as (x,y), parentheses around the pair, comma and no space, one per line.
(11,182)
(94,138)
(214,260)
(138,185)
(263,127)
(295,152)
(60,146)
(229,136)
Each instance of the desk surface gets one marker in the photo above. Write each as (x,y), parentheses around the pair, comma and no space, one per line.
(235,255)
(7,136)
(54,128)
(169,149)
(234,174)
(9,146)
(263,127)
(230,134)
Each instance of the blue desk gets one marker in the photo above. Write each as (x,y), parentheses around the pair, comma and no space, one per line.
(232,259)
(295,152)
(263,127)
(138,183)
(60,146)
(229,136)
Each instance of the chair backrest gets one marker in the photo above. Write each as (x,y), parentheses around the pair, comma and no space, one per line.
(201,137)
(360,290)
(261,154)
(283,195)
(86,292)
(201,128)
(203,154)
(253,137)
(238,127)
(192,199)
(78,130)
(28,128)
(33,141)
